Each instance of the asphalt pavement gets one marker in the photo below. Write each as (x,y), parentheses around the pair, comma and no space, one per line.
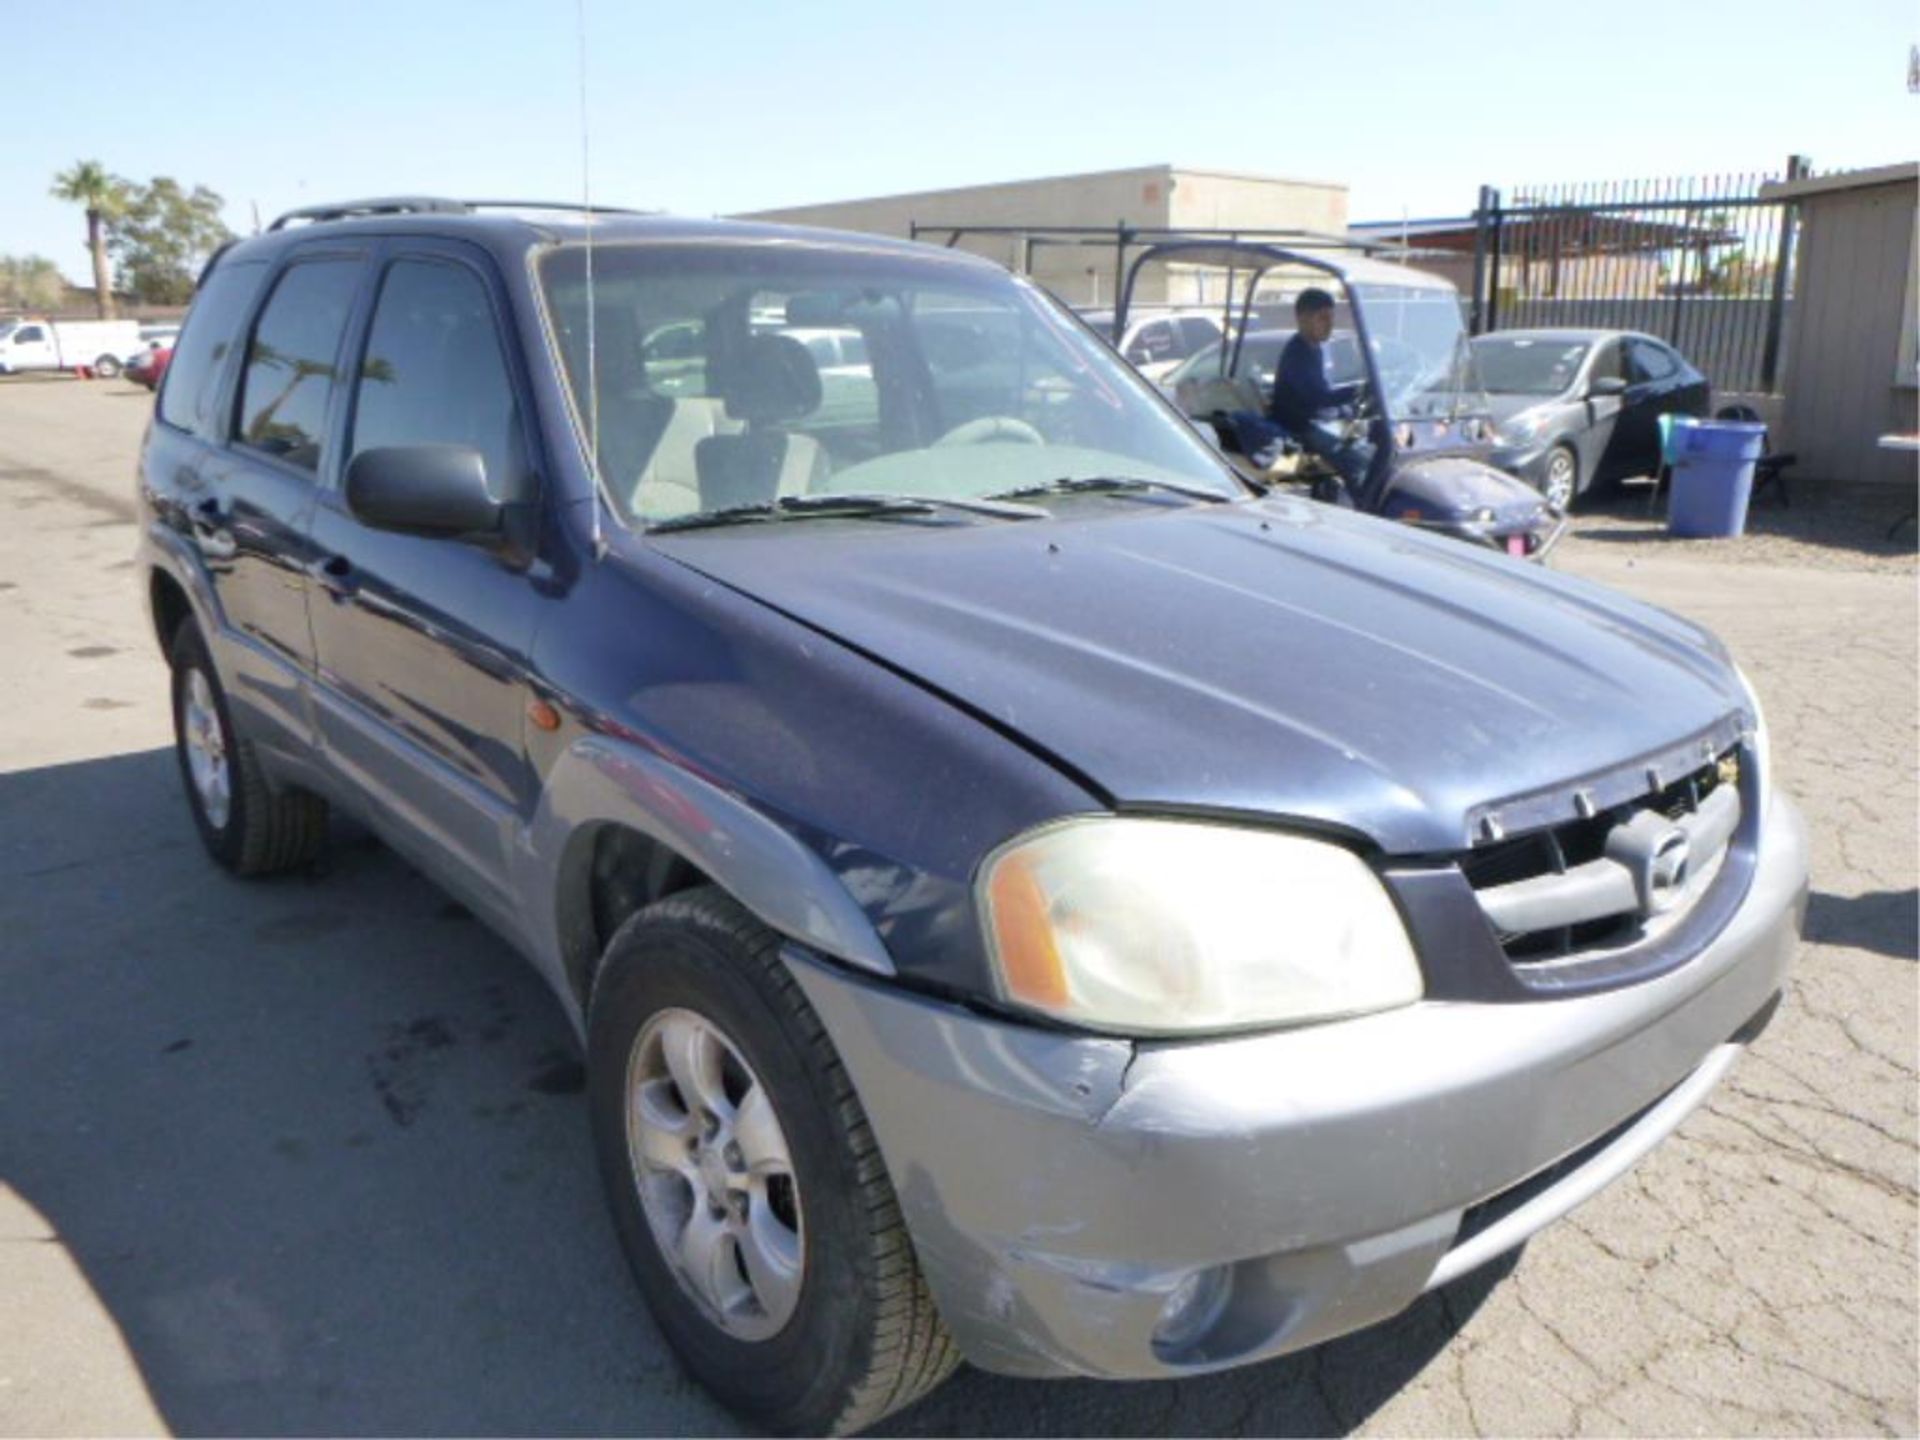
(309,1155)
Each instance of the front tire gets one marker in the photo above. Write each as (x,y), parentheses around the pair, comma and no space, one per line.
(745,1182)
(1560,481)
(246,825)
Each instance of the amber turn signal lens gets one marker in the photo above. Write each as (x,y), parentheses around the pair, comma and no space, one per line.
(1029,964)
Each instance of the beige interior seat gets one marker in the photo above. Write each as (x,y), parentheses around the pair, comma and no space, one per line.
(669,485)
(769,383)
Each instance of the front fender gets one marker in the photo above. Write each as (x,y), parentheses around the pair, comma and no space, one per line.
(599,780)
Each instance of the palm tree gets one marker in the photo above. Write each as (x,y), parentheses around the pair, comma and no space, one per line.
(104,197)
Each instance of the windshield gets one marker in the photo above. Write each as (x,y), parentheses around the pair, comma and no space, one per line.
(734,375)
(1529,366)
(1260,357)
(1420,346)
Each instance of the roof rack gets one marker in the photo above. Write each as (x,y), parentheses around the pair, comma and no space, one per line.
(573,205)
(431,205)
(355,209)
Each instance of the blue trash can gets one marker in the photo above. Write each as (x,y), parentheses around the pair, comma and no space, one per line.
(1712,464)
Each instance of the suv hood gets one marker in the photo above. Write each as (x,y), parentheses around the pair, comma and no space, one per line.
(1274,657)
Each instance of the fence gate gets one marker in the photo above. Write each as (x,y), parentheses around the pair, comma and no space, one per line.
(1703,263)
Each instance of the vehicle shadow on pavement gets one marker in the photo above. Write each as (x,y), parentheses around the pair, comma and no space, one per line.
(315,1143)
(1885,922)
(316,1146)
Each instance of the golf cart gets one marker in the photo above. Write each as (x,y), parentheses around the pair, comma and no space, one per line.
(1420,407)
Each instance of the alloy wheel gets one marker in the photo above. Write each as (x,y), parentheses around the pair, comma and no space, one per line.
(1560,474)
(206,744)
(715,1174)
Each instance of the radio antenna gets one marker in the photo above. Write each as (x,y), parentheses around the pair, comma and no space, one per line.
(593,352)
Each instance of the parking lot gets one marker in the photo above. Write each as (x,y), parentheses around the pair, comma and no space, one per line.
(309,1156)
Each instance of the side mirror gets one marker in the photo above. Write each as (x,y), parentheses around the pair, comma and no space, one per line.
(1606,385)
(433,490)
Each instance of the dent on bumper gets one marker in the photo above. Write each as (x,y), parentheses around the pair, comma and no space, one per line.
(1060,1187)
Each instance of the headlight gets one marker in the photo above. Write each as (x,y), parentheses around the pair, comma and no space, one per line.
(1165,927)
(1521,428)
(1760,742)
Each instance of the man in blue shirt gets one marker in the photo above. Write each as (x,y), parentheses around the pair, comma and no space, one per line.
(1306,407)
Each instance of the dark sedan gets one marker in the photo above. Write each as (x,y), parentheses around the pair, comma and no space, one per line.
(1576,408)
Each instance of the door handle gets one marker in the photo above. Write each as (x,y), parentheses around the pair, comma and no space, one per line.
(335,576)
(209,520)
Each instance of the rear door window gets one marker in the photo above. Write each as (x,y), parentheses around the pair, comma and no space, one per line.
(292,361)
(187,396)
(1649,362)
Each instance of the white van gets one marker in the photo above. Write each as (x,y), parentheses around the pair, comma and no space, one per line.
(101,345)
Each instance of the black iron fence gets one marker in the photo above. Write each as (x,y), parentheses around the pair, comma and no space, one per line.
(1704,263)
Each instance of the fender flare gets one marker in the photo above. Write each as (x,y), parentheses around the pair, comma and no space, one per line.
(600,780)
(167,553)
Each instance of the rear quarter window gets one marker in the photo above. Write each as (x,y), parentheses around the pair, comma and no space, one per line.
(1651,362)
(187,399)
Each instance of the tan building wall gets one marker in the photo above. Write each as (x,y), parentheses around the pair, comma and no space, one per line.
(1850,367)
(1217,200)
(1150,196)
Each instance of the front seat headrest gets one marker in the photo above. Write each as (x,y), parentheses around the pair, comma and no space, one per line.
(770,380)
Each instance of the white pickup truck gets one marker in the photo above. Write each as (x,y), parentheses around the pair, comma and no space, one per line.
(102,346)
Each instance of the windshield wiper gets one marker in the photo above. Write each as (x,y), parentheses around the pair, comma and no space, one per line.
(1108,485)
(845,507)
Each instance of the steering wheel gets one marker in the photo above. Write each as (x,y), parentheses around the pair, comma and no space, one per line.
(993,430)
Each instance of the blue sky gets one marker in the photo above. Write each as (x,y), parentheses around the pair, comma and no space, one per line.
(747,105)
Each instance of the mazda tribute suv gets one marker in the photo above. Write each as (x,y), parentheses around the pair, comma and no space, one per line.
(1024,895)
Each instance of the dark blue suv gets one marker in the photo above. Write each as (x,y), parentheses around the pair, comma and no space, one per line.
(1023,894)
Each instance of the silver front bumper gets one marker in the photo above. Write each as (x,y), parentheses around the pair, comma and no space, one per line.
(1059,1188)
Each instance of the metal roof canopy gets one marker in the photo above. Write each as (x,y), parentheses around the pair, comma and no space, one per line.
(1122,237)
(1226,249)
(1260,258)
(1122,234)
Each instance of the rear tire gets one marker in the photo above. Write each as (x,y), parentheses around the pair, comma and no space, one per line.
(862,1339)
(247,825)
(108,367)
